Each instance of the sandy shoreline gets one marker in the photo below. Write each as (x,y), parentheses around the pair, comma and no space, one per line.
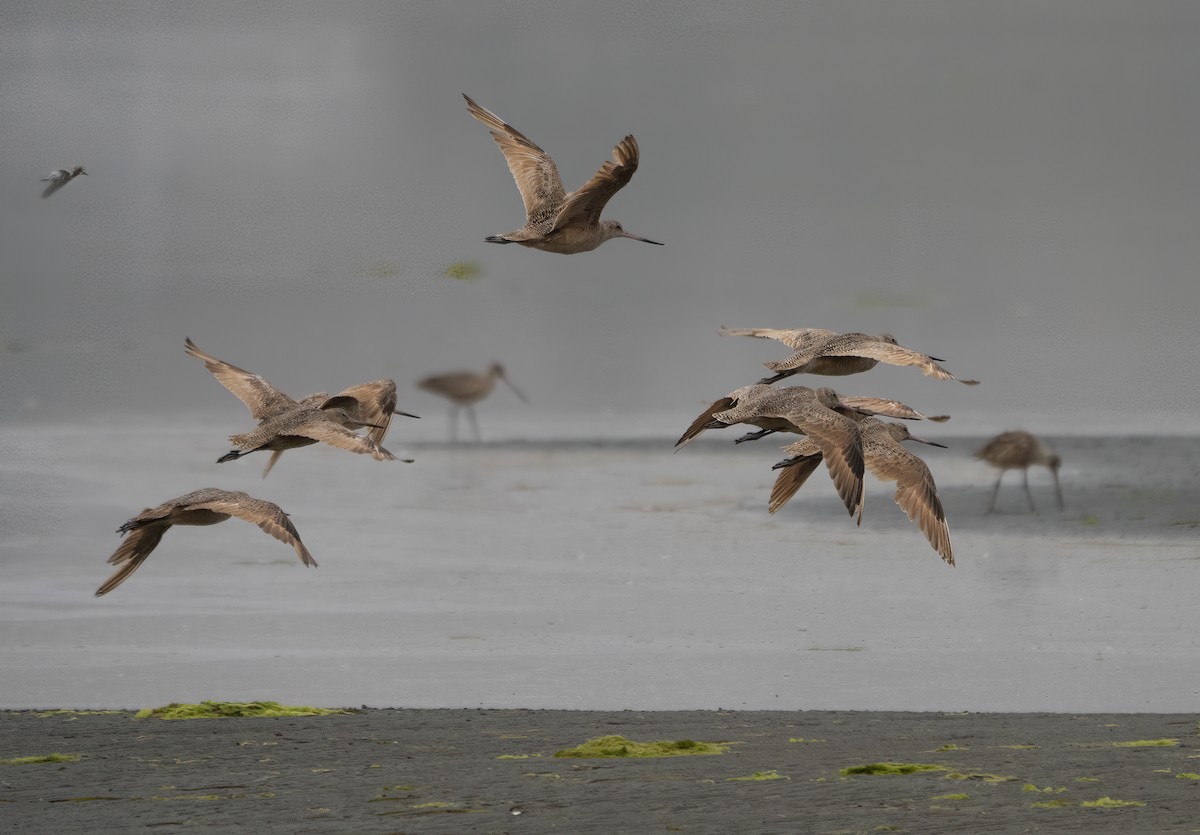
(385,770)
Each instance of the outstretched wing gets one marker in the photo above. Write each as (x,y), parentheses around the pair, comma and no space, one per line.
(794,472)
(57,180)
(131,553)
(798,339)
(372,403)
(701,422)
(267,515)
(916,494)
(536,174)
(583,207)
(899,355)
(334,434)
(261,398)
(888,408)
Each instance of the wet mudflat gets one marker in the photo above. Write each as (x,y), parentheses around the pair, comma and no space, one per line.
(494,771)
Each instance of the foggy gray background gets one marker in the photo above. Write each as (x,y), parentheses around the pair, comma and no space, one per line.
(1010,186)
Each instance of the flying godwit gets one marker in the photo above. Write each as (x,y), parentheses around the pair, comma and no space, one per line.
(819,351)
(850,405)
(201,507)
(304,426)
(60,178)
(554,220)
(1019,450)
(813,413)
(367,404)
(465,389)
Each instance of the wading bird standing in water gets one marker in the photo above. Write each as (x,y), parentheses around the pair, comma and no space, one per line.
(1019,450)
(554,220)
(200,507)
(465,389)
(60,178)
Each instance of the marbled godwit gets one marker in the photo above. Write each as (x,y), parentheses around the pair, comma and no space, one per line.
(465,389)
(554,220)
(201,507)
(805,457)
(60,178)
(367,404)
(819,351)
(813,413)
(849,405)
(304,426)
(1019,450)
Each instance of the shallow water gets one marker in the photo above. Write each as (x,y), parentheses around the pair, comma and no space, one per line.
(605,575)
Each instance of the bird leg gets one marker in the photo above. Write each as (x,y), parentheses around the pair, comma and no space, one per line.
(995,493)
(754,436)
(1028,494)
(474,423)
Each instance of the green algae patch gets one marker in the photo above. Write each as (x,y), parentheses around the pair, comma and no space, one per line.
(981,776)
(46,714)
(1087,779)
(1017,747)
(1107,802)
(950,746)
(890,768)
(762,775)
(463,271)
(1058,803)
(803,740)
(957,796)
(618,746)
(1147,743)
(1030,787)
(44,758)
(513,757)
(1187,775)
(227,710)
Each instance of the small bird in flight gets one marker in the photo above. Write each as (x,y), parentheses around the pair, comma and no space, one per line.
(60,178)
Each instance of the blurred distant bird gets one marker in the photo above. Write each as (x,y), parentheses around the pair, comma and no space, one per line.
(201,507)
(1019,450)
(819,351)
(466,388)
(554,220)
(60,178)
(367,404)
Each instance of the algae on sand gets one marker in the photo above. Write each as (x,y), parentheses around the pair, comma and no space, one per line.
(890,768)
(224,710)
(618,746)
(44,758)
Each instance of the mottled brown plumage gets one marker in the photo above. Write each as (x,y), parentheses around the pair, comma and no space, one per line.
(207,506)
(303,426)
(1019,450)
(819,351)
(556,221)
(915,491)
(813,413)
(368,404)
